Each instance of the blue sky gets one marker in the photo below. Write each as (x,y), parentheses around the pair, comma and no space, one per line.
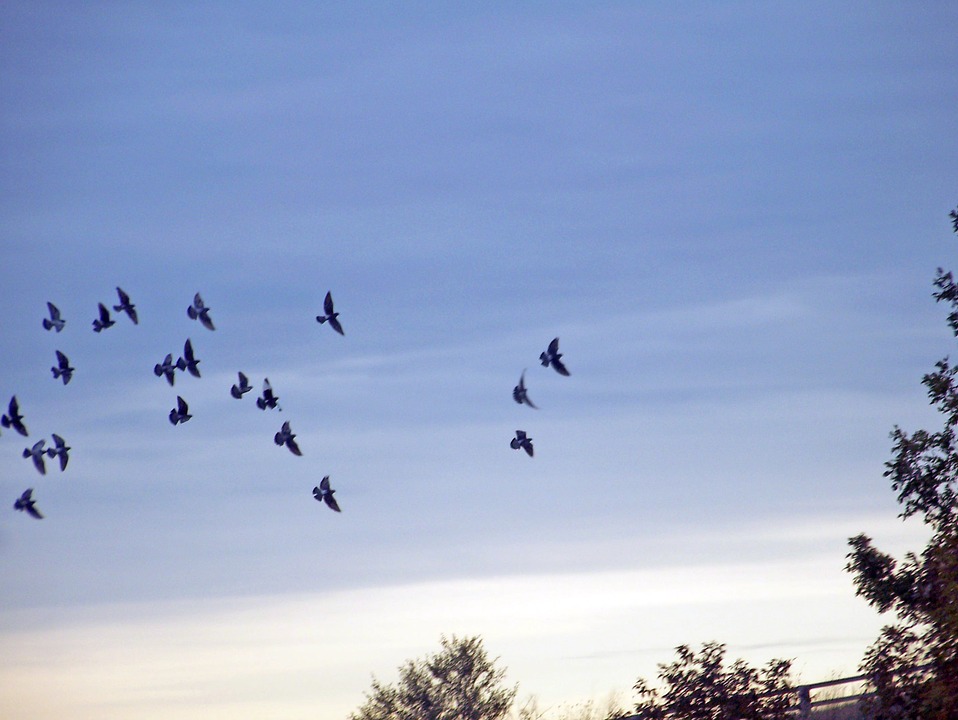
(729,213)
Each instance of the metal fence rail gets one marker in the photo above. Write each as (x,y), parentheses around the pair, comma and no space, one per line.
(806,703)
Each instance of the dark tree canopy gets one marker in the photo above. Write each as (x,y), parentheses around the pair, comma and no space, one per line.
(698,686)
(458,683)
(913,666)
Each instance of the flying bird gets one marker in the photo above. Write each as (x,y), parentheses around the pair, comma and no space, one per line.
(188,360)
(288,438)
(104,321)
(181,413)
(199,311)
(167,368)
(324,493)
(519,392)
(240,389)
(62,450)
(331,317)
(521,440)
(13,418)
(268,399)
(126,306)
(26,503)
(55,321)
(62,369)
(36,452)
(552,357)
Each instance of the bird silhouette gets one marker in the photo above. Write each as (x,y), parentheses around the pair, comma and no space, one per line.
(268,399)
(199,311)
(104,321)
(55,320)
(188,360)
(26,503)
(519,392)
(331,317)
(521,440)
(36,452)
(240,389)
(166,368)
(324,493)
(62,451)
(552,357)
(13,418)
(181,413)
(288,438)
(62,369)
(126,306)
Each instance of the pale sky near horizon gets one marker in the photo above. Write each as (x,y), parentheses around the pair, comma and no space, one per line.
(730,214)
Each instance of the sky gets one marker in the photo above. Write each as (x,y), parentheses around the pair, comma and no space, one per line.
(729,213)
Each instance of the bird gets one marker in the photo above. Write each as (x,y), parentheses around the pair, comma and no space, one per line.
(519,392)
(199,311)
(26,503)
(521,440)
(36,452)
(126,306)
(268,399)
(288,438)
(324,493)
(188,360)
(240,389)
(181,413)
(62,450)
(104,321)
(331,317)
(55,321)
(167,368)
(62,369)
(552,357)
(13,418)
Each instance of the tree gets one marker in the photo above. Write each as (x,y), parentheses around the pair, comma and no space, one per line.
(458,683)
(699,687)
(913,665)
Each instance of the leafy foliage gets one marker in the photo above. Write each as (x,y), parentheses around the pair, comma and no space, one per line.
(700,687)
(913,666)
(458,683)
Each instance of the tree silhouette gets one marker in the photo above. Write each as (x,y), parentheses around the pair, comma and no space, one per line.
(700,687)
(913,665)
(458,683)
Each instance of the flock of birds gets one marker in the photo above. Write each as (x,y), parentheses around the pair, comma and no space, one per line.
(189,363)
(550,358)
